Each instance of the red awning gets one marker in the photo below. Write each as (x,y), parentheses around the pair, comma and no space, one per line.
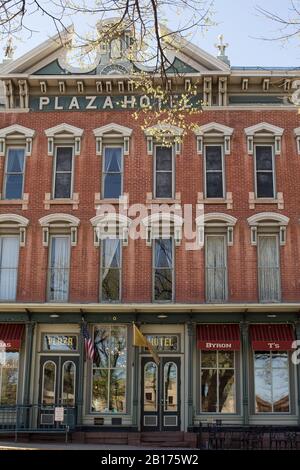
(276,337)
(219,336)
(11,335)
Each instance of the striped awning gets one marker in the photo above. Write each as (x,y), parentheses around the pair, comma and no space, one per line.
(11,336)
(224,337)
(272,337)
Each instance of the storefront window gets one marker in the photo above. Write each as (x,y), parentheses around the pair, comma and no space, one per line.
(271,370)
(109,369)
(217,382)
(9,368)
(68,383)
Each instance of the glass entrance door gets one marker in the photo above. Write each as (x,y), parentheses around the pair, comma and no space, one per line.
(58,388)
(160,394)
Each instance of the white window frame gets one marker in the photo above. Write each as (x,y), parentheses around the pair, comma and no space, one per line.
(225,241)
(51,236)
(72,171)
(43,381)
(273,171)
(13,147)
(120,273)
(62,381)
(223,171)
(10,235)
(154,268)
(120,146)
(173,172)
(276,236)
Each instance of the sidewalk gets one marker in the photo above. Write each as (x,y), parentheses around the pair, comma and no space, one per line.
(71,446)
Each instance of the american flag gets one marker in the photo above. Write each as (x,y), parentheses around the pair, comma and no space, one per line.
(89,344)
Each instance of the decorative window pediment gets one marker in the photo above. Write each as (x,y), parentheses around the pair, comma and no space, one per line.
(214,132)
(163,225)
(163,133)
(215,220)
(14,222)
(112,133)
(16,134)
(265,131)
(297,135)
(59,222)
(110,226)
(268,220)
(64,134)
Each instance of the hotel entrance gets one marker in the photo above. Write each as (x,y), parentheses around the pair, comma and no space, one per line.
(160,394)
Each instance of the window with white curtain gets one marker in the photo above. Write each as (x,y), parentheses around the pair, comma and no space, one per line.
(111,270)
(112,172)
(9,260)
(14,173)
(216,268)
(163,269)
(59,267)
(268,268)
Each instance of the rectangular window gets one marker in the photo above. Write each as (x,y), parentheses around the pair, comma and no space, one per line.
(164,172)
(14,173)
(9,371)
(271,373)
(9,260)
(218,382)
(112,172)
(111,270)
(59,268)
(163,269)
(214,171)
(63,173)
(109,375)
(216,268)
(268,268)
(264,170)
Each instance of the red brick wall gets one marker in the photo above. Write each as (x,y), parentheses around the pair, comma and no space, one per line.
(137,277)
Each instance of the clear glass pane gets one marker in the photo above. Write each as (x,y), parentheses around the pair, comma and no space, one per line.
(100,390)
(49,383)
(102,343)
(112,185)
(262,360)
(111,250)
(15,161)
(14,186)
(214,184)
(9,368)
(281,397)
(263,390)
(63,183)
(64,158)
(164,158)
(226,359)
(265,186)
(213,158)
(163,253)
(170,387)
(59,269)
(110,285)
(164,184)
(150,387)
(117,403)
(280,359)
(118,347)
(68,381)
(9,259)
(163,285)
(208,359)
(209,390)
(264,158)
(113,159)
(226,391)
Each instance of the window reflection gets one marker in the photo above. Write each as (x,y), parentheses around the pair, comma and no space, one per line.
(68,381)
(150,387)
(9,368)
(49,381)
(170,387)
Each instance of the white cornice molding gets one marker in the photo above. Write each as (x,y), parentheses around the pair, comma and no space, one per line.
(117,128)
(60,128)
(257,219)
(216,217)
(69,219)
(111,219)
(16,128)
(263,126)
(14,218)
(213,126)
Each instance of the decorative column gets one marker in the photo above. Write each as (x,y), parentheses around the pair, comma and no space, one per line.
(245,370)
(191,344)
(80,375)
(28,361)
(298,371)
(136,382)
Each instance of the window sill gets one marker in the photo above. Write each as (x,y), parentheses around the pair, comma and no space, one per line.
(48,202)
(253,201)
(124,199)
(228,201)
(16,202)
(151,200)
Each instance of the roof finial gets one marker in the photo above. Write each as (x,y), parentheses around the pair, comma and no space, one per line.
(9,49)
(222,49)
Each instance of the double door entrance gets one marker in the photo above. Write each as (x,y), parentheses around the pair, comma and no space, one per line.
(160,394)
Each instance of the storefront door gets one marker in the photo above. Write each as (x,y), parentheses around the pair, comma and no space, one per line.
(58,388)
(160,394)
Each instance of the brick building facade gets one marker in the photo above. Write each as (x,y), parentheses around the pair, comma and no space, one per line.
(223,317)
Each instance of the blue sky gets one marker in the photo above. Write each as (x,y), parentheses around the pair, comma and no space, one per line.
(236,19)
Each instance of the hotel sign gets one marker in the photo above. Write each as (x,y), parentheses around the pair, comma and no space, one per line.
(164,343)
(102,102)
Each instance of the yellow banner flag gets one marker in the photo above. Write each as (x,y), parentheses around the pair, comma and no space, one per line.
(140,340)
